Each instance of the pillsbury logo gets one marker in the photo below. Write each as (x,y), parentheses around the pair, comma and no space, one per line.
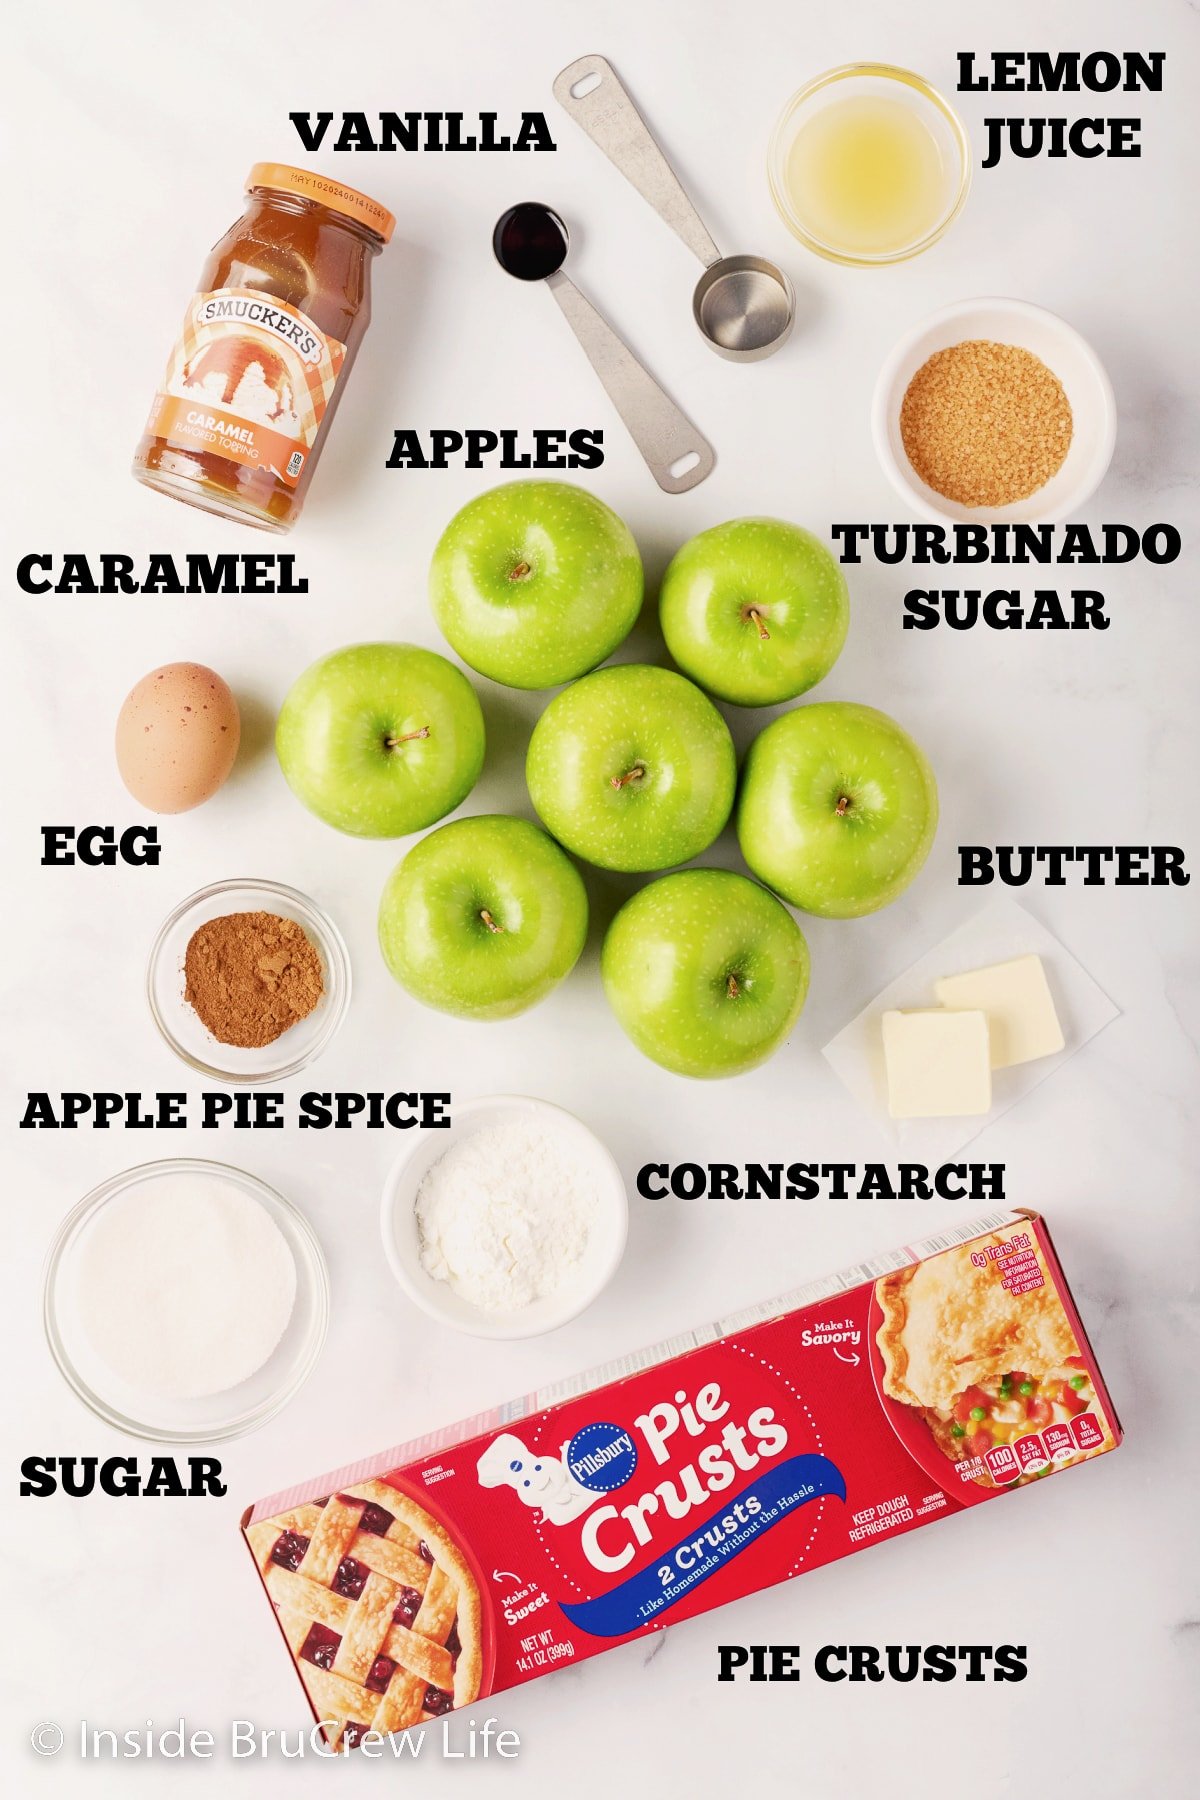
(602,1457)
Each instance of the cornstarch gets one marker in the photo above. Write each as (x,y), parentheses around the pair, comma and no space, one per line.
(504,1216)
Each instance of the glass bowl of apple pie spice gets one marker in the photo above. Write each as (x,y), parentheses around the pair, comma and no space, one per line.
(248,981)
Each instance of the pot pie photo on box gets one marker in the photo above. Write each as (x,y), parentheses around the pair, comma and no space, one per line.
(675,1479)
(979,1343)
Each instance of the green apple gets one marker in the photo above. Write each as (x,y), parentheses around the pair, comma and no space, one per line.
(536,582)
(381,739)
(632,768)
(756,611)
(706,972)
(483,917)
(838,809)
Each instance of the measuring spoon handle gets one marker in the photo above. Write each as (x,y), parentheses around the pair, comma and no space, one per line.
(613,122)
(664,435)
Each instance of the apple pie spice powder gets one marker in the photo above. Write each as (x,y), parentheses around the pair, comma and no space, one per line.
(251,976)
(985,424)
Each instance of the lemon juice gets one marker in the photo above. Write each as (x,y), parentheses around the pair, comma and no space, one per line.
(866,176)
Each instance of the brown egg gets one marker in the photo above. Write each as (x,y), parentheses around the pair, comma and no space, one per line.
(177,737)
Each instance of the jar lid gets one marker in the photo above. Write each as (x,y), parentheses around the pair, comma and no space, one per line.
(327,192)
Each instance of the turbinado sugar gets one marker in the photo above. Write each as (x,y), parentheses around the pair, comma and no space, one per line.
(985,424)
(251,976)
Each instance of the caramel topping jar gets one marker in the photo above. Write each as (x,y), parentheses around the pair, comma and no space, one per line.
(267,342)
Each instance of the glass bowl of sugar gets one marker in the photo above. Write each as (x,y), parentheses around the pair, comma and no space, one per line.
(185,1301)
(508,1224)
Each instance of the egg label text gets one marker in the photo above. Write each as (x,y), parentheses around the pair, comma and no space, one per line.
(99,846)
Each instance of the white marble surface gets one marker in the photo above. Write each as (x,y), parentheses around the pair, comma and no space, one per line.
(131,127)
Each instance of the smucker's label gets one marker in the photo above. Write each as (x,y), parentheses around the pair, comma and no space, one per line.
(249,380)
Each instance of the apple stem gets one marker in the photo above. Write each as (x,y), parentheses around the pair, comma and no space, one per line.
(763,633)
(843,806)
(488,920)
(733,986)
(635,774)
(393,743)
(520,572)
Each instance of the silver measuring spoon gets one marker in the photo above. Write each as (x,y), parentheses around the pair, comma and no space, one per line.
(530,242)
(743,305)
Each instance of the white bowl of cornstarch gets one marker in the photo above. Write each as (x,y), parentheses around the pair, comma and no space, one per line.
(509,1223)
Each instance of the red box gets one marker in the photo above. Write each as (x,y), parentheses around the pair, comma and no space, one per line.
(469,1561)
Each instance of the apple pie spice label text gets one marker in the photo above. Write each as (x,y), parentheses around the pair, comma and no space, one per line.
(1006,608)
(241,1109)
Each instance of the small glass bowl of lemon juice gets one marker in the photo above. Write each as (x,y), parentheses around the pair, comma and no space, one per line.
(869,165)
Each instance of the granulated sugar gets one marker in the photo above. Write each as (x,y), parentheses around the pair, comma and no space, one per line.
(185,1285)
(504,1215)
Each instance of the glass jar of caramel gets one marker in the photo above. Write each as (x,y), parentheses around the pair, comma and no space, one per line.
(254,380)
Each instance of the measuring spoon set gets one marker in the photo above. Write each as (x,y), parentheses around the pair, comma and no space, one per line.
(742,305)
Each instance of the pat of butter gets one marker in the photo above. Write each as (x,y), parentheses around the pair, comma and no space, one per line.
(938,1066)
(1020,1008)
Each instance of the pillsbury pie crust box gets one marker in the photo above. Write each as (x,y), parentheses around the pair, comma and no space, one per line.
(466,1562)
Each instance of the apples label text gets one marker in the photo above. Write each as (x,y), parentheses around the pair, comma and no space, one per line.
(1101,865)
(557,449)
(1040,72)
(808,1181)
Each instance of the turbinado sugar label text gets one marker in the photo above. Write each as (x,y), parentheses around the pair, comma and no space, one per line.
(1007,544)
